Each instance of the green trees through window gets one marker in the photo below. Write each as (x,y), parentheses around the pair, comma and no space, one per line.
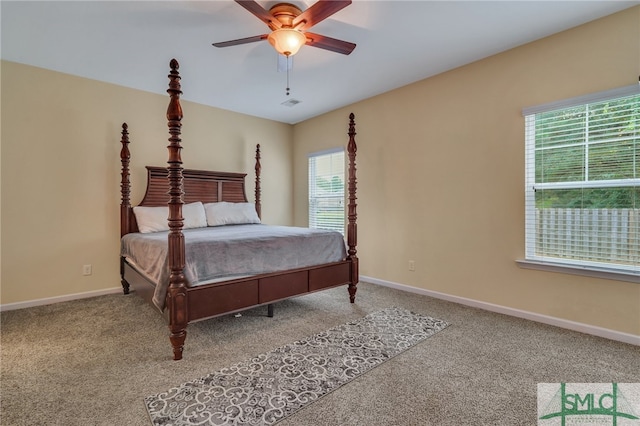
(589,144)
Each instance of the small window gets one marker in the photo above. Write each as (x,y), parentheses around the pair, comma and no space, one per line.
(583,182)
(326,190)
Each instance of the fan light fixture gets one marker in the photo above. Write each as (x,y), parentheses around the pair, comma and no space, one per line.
(287,23)
(287,41)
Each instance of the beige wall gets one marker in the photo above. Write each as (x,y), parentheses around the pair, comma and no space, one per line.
(61,172)
(441,174)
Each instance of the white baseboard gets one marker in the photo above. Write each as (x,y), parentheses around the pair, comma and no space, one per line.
(58,299)
(558,322)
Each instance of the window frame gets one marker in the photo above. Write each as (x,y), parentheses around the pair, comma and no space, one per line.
(556,264)
(315,155)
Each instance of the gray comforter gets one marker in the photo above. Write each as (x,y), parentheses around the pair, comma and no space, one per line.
(224,252)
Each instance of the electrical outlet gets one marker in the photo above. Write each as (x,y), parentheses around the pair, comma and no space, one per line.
(86,269)
(412,265)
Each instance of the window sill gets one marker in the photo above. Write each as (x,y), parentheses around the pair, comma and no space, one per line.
(579,270)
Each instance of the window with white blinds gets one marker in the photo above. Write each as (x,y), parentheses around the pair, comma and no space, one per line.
(583,182)
(326,190)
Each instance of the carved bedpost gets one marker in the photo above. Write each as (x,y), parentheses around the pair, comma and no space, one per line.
(177,292)
(259,208)
(352,229)
(125,191)
(258,170)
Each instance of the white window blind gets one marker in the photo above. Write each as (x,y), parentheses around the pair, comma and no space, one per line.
(326,190)
(583,182)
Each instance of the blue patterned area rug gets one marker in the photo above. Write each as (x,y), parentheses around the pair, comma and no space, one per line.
(274,385)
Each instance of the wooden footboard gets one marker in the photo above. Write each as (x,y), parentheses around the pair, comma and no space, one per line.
(237,295)
(212,300)
(173,186)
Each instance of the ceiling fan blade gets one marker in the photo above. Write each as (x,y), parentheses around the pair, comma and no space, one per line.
(241,41)
(328,43)
(260,12)
(319,11)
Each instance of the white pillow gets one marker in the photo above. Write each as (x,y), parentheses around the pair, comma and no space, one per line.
(151,219)
(224,213)
(194,215)
(155,219)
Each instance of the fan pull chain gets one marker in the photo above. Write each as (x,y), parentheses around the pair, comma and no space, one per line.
(288,66)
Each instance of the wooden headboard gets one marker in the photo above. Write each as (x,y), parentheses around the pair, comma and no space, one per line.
(198,185)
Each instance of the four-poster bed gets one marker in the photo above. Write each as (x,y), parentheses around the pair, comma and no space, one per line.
(193,199)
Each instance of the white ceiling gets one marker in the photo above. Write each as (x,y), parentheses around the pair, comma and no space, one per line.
(130,43)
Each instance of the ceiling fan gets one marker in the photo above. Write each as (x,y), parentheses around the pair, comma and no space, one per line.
(289,27)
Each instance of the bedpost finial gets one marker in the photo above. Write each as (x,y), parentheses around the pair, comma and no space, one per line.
(352,125)
(174,65)
(174,110)
(124,139)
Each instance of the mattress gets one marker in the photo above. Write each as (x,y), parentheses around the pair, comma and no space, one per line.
(225,252)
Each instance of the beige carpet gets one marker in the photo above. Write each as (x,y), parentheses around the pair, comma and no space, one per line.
(92,361)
